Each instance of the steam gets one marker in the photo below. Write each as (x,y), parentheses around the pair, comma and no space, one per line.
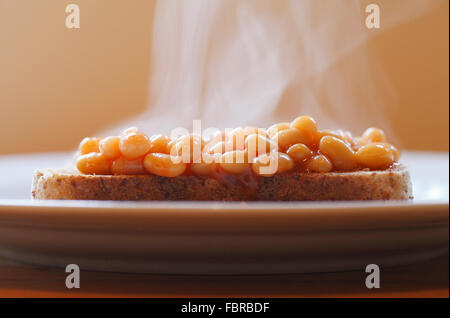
(235,63)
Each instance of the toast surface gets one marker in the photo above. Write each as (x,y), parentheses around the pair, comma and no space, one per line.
(390,184)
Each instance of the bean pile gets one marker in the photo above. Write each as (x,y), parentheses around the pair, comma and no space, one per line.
(296,146)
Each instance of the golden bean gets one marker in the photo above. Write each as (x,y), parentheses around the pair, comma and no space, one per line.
(93,163)
(134,145)
(319,163)
(212,152)
(375,155)
(189,148)
(218,147)
(160,143)
(129,131)
(161,164)
(339,152)
(327,132)
(291,136)
(235,140)
(340,134)
(285,163)
(306,124)
(122,166)
(257,145)
(373,135)
(89,145)
(299,152)
(109,146)
(274,129)
(234,162)
(267,165)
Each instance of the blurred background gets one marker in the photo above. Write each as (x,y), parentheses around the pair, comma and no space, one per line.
(165,63)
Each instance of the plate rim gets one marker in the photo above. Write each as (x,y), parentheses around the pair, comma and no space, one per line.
(261,218)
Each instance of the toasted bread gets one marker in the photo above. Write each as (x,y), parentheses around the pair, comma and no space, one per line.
(390,184)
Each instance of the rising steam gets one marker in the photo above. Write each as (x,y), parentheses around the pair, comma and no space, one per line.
(235,63)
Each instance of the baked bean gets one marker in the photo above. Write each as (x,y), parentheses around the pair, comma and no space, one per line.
(109,146)
(299,152)
(339,152)
(273,150)
(268,164)
(212,152)
(265,165)
(340,134)
(327,132)
(129,131)
(375,155)
(291,136)
(235,156)
(217,147)
(319,163)
(234,162)
(192,139)
(285,163)
(161,164)
(189,148)
(373,135)
(89,145)
(347,137)
(160,143)
(93,163)
(235,140)
(171,143)
(258,144)
(122,166)
(306,124)
(134,145)
(274,129)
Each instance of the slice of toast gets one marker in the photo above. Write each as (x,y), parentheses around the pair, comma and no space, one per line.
(390,184)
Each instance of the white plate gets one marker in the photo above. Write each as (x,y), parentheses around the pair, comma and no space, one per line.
(223,238)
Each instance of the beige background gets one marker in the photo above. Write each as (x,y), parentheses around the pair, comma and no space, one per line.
(59,85)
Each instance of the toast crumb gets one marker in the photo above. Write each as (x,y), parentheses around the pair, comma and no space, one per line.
(390,184)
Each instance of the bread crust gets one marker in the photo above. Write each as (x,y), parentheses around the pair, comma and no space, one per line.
(390,184)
